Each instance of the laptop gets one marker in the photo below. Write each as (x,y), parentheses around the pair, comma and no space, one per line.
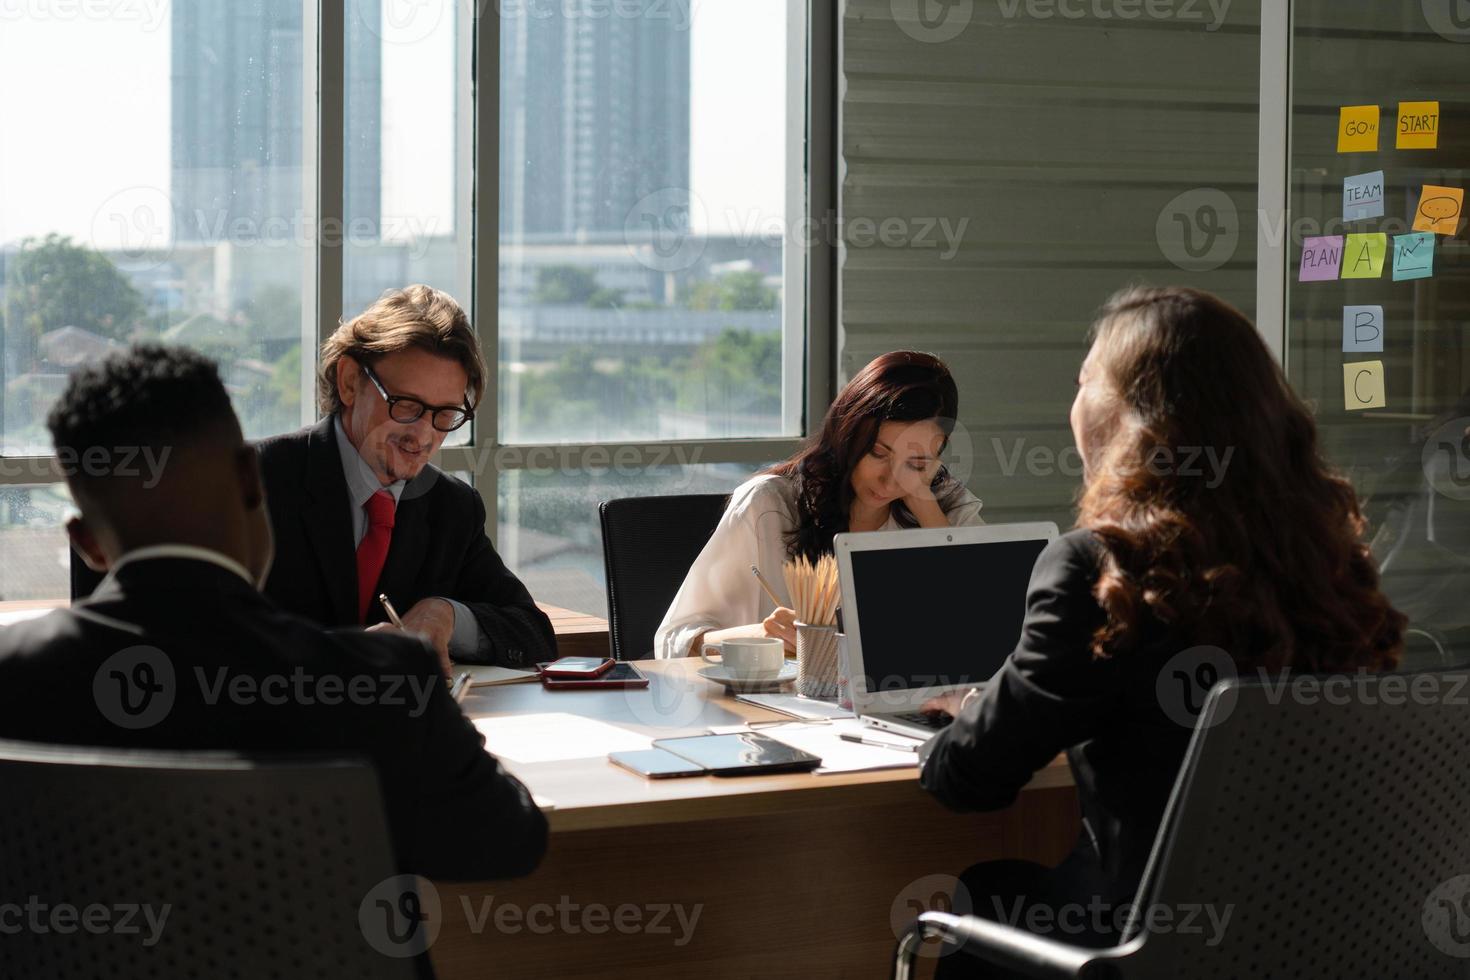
(927,611)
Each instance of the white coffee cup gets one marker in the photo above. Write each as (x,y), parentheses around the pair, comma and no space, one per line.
(751,658)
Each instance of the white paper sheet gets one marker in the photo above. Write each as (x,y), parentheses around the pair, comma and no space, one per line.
(555,737)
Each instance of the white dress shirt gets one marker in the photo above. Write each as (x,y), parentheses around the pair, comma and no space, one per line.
(720,592)
(187,551)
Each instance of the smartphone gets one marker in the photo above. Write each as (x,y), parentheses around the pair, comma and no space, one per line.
(655,764)
(621,675)
(577,667)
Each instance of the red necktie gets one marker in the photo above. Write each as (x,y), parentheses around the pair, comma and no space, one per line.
(372,552)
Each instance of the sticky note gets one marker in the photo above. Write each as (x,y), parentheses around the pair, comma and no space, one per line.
(1418,127)
(1357,129)
(1362,256)
(1440,209)
(1362,196)
(1321,258)
(1362,386)
(1362,329)
(1413,256)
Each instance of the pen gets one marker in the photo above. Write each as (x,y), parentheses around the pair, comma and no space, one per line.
(848,737)
(766,585)
(461,687)
(388,608)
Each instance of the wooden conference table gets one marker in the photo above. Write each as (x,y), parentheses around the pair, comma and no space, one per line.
(792,875)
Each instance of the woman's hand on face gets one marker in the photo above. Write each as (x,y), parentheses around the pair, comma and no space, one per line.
(918,494)
(781,623)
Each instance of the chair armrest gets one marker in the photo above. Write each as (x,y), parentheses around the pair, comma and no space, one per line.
(1001,945)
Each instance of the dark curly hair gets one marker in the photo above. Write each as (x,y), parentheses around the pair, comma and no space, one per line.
(1269,563)
(150,396)
(901,386)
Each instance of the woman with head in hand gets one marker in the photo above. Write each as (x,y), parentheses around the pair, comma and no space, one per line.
(1210,532)
(874,465)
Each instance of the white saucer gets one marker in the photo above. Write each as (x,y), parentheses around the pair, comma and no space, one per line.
(717,674)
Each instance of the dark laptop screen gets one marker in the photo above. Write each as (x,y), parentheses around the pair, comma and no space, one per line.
(940,615)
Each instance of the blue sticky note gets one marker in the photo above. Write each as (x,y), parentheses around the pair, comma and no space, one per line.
(1362,329)
(1413,256)
(1362,196)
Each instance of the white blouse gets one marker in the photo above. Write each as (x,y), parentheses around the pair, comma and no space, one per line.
(720,592)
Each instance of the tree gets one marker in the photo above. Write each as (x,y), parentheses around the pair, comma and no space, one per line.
(564,285)
(743,290)
(55,283)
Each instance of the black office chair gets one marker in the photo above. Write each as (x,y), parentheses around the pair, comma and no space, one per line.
(648,544)
(1336,834)
(263,868)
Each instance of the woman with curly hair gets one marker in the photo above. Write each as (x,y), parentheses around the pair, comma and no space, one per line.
(1174,567)
(873,466)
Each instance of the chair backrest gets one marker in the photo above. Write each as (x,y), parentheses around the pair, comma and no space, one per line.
(192,864)
(648,544)
(1331,823)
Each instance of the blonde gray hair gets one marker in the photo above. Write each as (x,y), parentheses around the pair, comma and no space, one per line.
(416,316)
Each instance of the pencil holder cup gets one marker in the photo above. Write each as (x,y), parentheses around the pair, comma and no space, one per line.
(816,661)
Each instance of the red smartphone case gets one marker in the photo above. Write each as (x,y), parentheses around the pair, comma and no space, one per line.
(621,675)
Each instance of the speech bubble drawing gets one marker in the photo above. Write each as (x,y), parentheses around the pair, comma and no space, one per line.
(1439,209)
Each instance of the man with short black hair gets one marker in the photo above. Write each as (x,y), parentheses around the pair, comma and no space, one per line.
(177,648)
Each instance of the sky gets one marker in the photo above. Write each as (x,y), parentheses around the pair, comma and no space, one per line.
(84,115)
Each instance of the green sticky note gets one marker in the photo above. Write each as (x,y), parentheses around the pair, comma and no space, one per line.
(1364,255)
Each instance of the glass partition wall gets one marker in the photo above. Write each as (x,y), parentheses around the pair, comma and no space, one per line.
(1378,286)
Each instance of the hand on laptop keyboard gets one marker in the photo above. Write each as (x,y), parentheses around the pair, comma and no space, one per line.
(947,704)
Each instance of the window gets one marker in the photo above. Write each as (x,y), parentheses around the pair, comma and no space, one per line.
(549,528)
(165,204)
(652,263)
(651,290)
(1379,345)
(645,222)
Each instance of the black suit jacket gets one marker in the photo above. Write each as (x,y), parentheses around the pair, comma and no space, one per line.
(1051,695)
(211,626)
(439,548)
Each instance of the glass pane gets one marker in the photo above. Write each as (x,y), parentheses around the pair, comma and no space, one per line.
(549,532)
(164,202)
(404,79)
(641,243)
(1378,341)
(33,541)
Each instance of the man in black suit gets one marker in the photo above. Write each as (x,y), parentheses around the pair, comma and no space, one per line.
(176,649)
(358,510)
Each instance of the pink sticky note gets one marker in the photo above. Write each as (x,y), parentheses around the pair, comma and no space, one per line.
(1321,258)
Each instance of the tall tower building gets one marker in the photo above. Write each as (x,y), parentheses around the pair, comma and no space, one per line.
(594,115)
(236,130)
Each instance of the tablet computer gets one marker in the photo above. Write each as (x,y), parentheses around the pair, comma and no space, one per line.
(742,753)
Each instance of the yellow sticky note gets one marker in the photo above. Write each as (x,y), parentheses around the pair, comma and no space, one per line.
(1362,385)
(1357,129)
(1418,127)
(1363,256)
(1440,209)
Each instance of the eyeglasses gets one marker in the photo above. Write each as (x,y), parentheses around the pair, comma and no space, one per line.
(403,409)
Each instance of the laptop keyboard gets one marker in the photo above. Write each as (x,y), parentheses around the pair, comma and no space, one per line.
(934,721)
